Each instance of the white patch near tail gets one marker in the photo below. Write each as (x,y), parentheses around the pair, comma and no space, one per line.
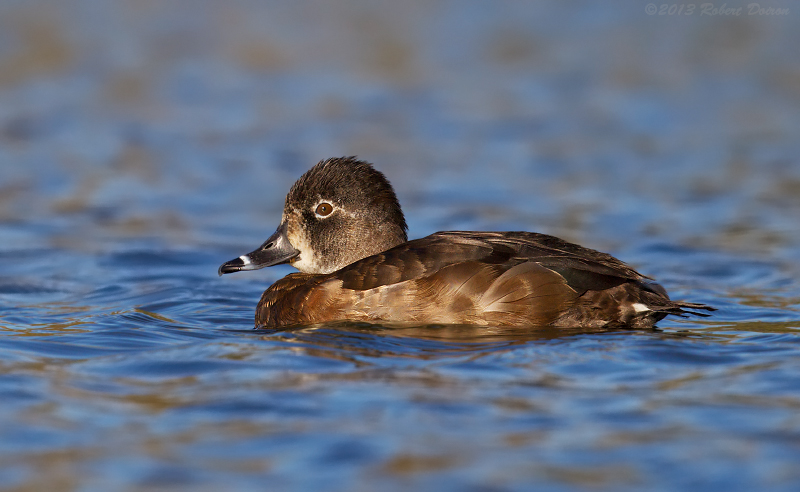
(639,307)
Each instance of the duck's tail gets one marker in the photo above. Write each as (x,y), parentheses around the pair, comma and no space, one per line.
(683,309)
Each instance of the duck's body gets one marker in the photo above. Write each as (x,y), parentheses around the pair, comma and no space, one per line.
(359,266)
(482,278)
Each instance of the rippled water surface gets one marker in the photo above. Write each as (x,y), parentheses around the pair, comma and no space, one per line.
(144,143)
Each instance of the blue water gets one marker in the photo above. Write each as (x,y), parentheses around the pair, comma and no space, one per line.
(143,144)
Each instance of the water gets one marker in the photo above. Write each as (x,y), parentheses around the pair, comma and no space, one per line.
(141,145)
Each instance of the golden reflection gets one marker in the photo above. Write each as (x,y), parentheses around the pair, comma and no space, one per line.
(592,476)
(733,330)
(157,316)
(466,334)
(360,343)
(765,299)
(72,325)
(43,49)
(410,464)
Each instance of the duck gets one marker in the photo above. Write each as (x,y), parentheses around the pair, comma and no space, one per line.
(343,229)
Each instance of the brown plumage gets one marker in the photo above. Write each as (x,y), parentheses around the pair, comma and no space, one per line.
(343,227)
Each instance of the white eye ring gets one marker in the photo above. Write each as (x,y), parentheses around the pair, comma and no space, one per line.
(324,209)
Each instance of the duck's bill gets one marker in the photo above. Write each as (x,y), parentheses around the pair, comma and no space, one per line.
(275,250)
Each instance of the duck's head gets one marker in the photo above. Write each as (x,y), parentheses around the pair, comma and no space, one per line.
(339,211)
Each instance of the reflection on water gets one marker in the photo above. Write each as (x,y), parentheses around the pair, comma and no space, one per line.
(447,335)
(180,392)
(190,397)
(142,144)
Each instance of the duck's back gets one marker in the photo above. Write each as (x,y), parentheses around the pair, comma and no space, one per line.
(485,278)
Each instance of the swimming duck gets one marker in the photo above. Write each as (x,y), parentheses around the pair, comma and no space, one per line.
(343,229)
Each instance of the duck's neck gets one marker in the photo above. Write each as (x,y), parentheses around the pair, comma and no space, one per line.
(371,241)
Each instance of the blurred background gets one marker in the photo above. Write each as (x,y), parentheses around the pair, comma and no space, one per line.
(186,122)
(143,143)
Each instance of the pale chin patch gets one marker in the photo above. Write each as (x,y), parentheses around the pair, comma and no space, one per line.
(303,264)
(306,261)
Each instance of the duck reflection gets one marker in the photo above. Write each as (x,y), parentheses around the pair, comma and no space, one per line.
(346,340)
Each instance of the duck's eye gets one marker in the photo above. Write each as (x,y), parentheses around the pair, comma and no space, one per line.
(324,209)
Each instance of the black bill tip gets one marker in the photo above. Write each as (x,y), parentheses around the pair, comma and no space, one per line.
(234,265)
